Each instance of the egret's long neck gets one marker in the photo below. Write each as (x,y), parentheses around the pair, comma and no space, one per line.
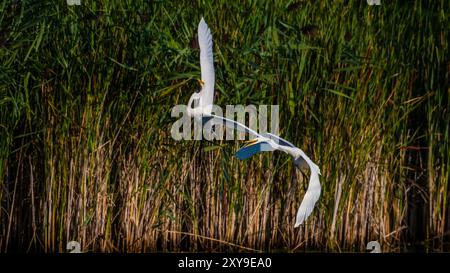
(206,99)
(197,110)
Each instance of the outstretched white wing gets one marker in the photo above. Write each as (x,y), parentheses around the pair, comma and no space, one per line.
(278,140)
(206,65)
(313,192)
(309,200)
(301,159)
(231,124)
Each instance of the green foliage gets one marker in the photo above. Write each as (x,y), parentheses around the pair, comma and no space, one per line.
(86,154)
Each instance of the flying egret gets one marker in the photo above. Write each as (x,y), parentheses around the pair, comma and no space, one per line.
(200,106)
(267,142)
(201,102)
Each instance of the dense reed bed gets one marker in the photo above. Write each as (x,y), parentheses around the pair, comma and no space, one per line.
(86,154)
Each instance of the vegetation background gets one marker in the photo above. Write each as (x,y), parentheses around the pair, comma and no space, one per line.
(86,154)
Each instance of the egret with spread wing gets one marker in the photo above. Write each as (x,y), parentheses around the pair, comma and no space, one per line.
(267,142)
(200,106)
(201,102)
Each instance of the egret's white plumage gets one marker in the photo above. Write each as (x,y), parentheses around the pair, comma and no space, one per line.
(313,192)
(205,97)
(277,143)
(262,142)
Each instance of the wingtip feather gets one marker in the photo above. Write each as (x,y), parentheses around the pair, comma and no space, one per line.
(202,24)
(309,200)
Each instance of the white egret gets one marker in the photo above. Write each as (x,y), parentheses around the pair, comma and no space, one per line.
(262,142)
(266,142)
(204,99)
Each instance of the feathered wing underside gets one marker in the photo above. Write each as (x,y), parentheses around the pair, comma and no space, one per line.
(206,63)
(310,199)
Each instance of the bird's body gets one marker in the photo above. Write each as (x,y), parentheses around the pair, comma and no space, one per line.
(200,106)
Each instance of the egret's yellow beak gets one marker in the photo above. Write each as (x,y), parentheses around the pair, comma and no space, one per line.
(201,82)
(250,142)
